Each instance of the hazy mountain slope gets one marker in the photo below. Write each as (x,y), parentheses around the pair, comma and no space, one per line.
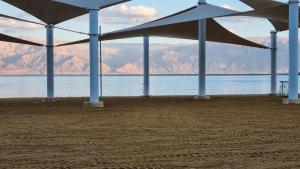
(18,59)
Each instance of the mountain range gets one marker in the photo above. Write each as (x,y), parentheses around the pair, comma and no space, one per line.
(127,58)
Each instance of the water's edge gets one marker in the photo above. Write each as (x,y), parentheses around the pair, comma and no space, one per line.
(132,85)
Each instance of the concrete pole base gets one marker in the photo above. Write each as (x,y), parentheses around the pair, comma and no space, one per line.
(49,100)
(287,101)
(201,97)
(88,105)
(273,94)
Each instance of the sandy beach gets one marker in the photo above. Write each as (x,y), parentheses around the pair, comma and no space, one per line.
(159,132)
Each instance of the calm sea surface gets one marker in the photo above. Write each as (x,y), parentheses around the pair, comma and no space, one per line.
(35,86)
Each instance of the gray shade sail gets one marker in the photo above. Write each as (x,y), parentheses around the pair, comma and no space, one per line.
(276,12)
(74,43)
(57,11)
(259,4)
(48,11)
(183,25)
(6,38)
(92,4)
(18,19)
(41,24)
(191,14)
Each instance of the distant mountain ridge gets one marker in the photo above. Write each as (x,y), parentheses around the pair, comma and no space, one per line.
(127,58)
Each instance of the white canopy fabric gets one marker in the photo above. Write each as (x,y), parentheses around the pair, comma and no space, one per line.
(92,4)
(276,12)
(48,11)
(6,38)
(183,25)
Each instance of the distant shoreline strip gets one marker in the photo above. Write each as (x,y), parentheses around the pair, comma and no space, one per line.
(150,75)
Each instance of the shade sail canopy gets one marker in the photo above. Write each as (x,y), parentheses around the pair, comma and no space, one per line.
(19,19)
(276,12)
(192,14)
(6,38)
(48,11)
(183,25)
(57,11)
(259,4)
(92,4)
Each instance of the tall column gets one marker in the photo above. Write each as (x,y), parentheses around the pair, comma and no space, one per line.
(293,50)
(202,54)
(94,58)
(273,62)
(146,66)
(50,62)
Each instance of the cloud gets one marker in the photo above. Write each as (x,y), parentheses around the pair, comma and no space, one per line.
(128,15)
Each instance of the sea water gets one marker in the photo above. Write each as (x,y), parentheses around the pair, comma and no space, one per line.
(77,86)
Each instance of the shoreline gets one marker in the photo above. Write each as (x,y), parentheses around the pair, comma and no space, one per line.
(112,75)
(142,97)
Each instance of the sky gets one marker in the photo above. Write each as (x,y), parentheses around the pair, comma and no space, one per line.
(133,13)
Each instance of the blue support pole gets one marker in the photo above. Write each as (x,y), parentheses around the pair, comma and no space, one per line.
(94,57)
(202,54)
(146,67)
(273,62)
(202,2)
(50,62)
(293,50)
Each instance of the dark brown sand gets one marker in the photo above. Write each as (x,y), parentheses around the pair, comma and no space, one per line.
(224,132)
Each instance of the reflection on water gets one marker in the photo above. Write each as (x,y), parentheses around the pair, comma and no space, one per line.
(35,86)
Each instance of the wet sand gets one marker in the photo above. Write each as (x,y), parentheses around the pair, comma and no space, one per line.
(224,132)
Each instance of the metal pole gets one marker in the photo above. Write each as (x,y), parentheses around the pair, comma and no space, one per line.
(273,62)
(202,2)
(94,59)
(146,66)
(202,54)
(293,50)
(50,62)
(202,58)
(101,74)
